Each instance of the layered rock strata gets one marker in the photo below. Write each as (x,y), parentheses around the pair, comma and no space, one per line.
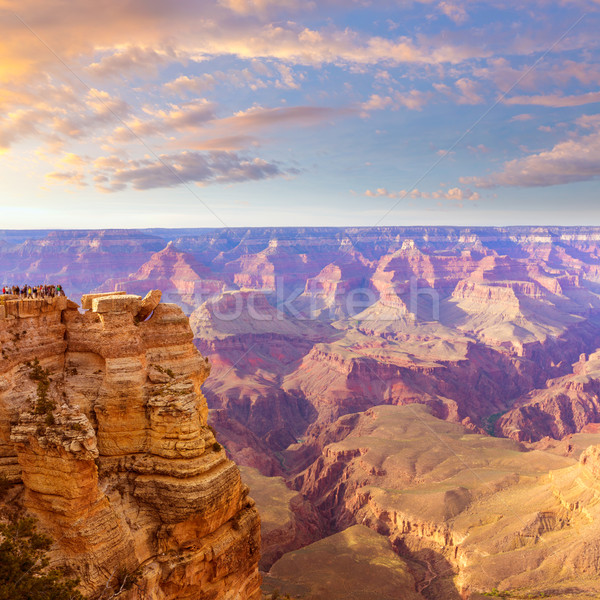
(103,421)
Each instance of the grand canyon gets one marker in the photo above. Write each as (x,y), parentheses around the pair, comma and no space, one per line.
(413,411)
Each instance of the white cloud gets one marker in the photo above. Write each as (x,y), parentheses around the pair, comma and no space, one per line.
(453,194)
(575,159)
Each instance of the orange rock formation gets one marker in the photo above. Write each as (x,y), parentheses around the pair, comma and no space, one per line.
(103,429)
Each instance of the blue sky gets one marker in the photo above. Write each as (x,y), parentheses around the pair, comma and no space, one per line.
(255,112)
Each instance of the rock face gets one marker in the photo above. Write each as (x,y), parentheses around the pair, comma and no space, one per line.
(565,406)
(467,512)
(103,420)
(465,320)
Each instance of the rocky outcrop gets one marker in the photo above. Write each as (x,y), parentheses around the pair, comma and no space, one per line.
(468,512)
(565,406)
(103,420)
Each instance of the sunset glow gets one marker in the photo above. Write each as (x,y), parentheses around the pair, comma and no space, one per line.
(255,112)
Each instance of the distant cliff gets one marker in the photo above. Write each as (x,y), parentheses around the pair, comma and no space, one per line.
(103,435)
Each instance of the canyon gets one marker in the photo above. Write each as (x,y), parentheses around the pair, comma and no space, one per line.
(425,395)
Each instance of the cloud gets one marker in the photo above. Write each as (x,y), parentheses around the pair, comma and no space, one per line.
(249,7)
(479,149)
(466,92)
(75,178)
(550,72)
(555,100)
(111,38)
(521,117)
(569,161)
(182,118)
(454,11)
(282,76)
(454,194)
(135,59)
(228,143)
(377,102)
(195,84)
(113,173)
(20,124)
(288,79)
(413,100)
(259,117)
(71,118)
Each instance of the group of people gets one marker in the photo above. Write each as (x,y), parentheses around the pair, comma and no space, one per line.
(34,291)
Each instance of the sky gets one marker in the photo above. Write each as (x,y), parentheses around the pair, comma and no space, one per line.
(234,113)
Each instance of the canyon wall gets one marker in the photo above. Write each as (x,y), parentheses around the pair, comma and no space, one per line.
(104,435)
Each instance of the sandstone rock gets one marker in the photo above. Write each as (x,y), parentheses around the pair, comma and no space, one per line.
(566,405)
(477,512)
(590,459)
(104,421)
(117,303)
(149,303)
(87,299)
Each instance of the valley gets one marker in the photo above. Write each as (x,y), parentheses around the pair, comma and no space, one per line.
(428,396)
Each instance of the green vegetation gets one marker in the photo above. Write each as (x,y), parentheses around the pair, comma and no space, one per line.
(276,596)
(217,447)
(168,372)
(490,423)
(43,405)
(495,593)
(120,582)
(24,573)
(4,485)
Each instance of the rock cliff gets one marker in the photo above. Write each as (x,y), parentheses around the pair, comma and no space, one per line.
(565,406)
(103,432)
(467,512)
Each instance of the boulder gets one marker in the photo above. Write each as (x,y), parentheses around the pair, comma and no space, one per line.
(117,303)
(149,303)
(88,299)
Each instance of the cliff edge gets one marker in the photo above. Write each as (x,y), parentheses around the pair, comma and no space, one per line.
(104,437)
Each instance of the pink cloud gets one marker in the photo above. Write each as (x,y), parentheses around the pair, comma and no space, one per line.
(468,92)
(454,11)
(260,118)
(413,100)
(182,118)
(555,100)
(522,117)
(141,60)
